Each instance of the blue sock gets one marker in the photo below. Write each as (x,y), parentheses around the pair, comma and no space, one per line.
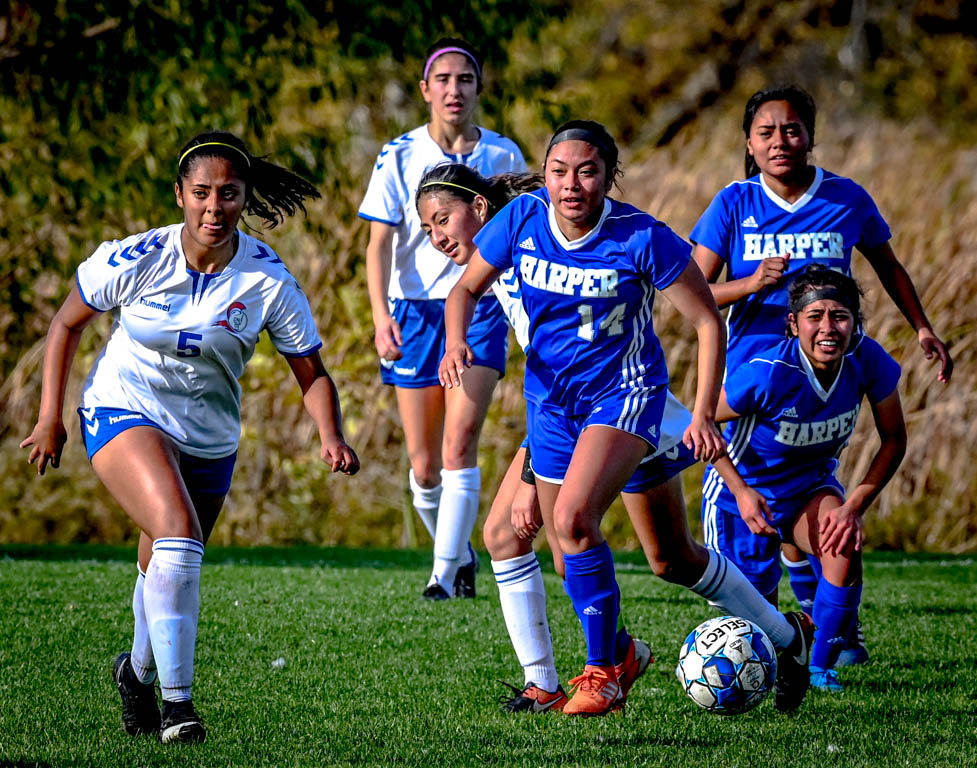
(803,580)
(835,609)
(622,641)
(592,586)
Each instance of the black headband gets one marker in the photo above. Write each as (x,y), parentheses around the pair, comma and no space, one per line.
(581,134)
(817,294)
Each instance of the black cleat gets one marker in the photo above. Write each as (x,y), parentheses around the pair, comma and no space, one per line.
(465,578)
(181,723)
(140,712)
(533,699)
(435,592)
(793,675)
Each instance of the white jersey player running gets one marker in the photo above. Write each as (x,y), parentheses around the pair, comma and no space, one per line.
(408,280)
(160,411)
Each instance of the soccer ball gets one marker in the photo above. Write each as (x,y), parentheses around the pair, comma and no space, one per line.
(727,665)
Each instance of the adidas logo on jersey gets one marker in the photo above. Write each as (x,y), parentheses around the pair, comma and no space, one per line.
(528,244)
(749,221)
(591,611)
(791,413)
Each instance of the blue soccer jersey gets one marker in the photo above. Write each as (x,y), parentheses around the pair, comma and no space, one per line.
(791,430)
(747,222)
(589,301)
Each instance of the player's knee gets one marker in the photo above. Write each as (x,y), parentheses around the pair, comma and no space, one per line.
(460,448)
(500,540)
(573,524)
(427,470)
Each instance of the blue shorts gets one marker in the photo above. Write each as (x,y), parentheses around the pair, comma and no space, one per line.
(657,469)
(758,557)
(422,329)
(200,475)
(553,433)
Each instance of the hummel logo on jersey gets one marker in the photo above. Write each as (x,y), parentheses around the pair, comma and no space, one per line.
(528,244)
(791,412)
(591,611)
(749,221)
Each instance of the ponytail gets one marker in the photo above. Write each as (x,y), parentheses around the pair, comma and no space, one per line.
(464,183)
(272,191)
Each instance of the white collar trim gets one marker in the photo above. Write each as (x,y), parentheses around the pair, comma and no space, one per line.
(572,245)
(801,201)
(812,377)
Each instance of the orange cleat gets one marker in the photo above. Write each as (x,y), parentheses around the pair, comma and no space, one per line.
(633,666)
(596,692)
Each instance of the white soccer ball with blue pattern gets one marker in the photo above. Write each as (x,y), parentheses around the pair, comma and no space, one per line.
(727,665)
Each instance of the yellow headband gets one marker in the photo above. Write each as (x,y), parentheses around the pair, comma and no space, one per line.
(450,184)
(195,147)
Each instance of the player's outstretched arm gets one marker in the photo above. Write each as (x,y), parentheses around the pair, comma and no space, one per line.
(459,308)
(842,527)
(47,439)
(691,296)
(899,285)
(322,402)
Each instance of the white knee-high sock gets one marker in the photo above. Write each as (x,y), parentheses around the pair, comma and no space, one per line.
(456,521)
(725,586)
(171,596)
(426,502)
(142,660)
(523,599)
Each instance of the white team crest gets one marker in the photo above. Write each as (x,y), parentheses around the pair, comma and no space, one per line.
(749,221)
(527,244)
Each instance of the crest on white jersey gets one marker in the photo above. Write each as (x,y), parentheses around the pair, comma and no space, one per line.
(527,244)
(237,318)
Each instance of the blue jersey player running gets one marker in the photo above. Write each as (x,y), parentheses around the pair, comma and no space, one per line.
(408,280)
(596,382)
(454,203)
(160,410)
(796,404)
(785,215)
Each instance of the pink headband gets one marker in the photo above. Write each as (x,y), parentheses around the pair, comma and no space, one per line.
(442,51)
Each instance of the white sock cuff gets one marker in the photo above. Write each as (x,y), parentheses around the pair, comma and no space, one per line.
(706,586)
(803,564)
(178,552)
(515,569)
(424,498)
(468,479)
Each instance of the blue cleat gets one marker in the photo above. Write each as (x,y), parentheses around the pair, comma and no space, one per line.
(826,680)
(854,651)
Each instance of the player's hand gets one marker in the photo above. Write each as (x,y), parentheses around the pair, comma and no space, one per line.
(388,339)
(755,512)
(703,438)
(768,272)
(339,456)
(933,347)
(456,359)
(840,530)
(46,443)
(525,515)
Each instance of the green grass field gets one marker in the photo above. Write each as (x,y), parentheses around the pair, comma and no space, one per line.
(374,675)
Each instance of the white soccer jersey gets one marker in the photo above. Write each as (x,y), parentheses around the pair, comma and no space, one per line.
(180,339)
(419,270)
